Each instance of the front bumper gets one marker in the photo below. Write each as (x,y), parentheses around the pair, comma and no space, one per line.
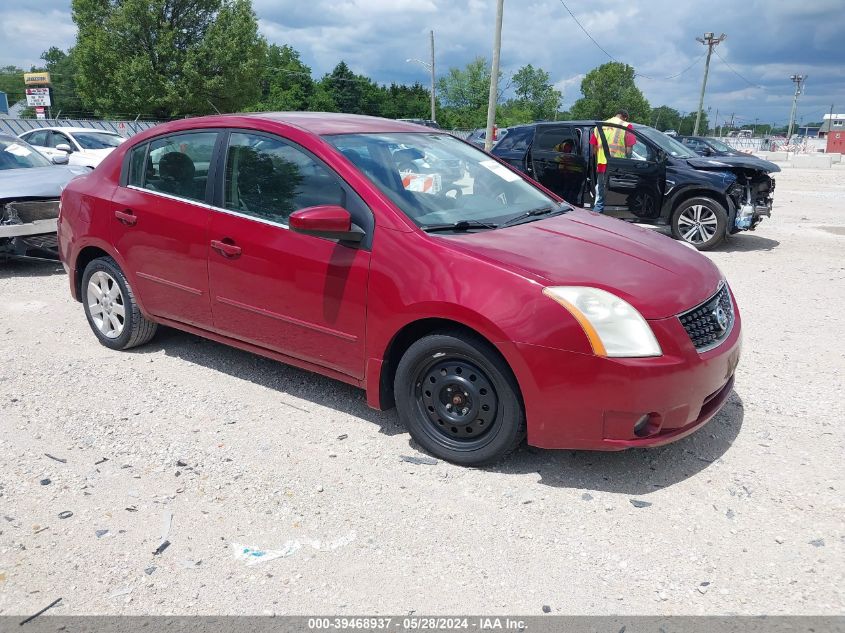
(580,401)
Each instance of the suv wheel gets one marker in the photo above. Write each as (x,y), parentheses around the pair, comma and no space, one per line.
(700,221)
(110,306)
(459,399)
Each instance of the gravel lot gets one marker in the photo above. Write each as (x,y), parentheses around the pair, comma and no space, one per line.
(746,516)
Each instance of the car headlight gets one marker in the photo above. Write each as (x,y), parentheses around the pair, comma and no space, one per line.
(612,325)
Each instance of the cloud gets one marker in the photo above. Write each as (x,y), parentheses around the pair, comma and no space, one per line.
(767,42)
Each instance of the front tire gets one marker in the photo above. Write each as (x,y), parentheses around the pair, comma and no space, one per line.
(700,221)
(110,306)
(458,399)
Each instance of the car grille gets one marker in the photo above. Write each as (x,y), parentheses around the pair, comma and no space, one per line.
(710,323)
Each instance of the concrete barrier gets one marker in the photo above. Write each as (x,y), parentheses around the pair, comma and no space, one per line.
(812,161)
(778,156)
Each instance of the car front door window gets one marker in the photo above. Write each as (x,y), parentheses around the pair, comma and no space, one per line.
(269,179)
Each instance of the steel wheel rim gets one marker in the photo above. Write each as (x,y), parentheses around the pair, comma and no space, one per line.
(697,224)
(459,402)
(105,304)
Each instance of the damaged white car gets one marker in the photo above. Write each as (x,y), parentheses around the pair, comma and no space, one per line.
(30,186)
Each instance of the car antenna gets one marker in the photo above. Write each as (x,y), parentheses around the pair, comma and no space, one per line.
(213,106)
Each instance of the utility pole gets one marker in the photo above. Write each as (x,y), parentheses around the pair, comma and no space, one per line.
(432,77)
(798,80)
(494,77)
(716,122)
(710,41)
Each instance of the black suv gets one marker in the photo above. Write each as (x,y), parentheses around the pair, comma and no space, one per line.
(662,182)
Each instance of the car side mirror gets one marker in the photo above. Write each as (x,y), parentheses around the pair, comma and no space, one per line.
(329,221)
(64,147)
(59,160)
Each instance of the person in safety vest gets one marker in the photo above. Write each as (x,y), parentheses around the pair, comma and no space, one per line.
(619,144)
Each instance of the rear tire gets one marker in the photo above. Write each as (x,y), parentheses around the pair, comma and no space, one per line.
(458,399)
(110,306)
(701,222)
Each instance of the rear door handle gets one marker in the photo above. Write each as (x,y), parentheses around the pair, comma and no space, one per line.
(126,217)
(226,247)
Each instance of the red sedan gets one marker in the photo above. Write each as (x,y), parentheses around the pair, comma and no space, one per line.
(409,263)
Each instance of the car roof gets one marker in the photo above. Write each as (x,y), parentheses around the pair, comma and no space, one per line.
(324,122)
(64,128)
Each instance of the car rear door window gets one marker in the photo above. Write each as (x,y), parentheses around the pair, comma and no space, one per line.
(138,162)
(178,165)
(37,138)
(268,178)
(556,138)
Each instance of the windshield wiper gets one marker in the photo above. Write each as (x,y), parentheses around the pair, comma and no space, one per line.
(536,212)
(460,225)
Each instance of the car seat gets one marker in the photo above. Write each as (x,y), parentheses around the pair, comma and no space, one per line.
(177,171)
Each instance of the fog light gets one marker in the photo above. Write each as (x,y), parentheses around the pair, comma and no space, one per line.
(641,426)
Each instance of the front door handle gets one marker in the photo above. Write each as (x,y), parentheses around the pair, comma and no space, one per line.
(126,217)
(226,247)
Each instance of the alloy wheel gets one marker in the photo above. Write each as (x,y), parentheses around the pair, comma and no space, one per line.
(697,224)
(106,305)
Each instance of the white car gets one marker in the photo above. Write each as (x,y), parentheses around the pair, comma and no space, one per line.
(83,146)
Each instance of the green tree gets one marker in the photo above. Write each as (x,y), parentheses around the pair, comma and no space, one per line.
(11,82)
(286,82)
(535,93)
(463,93)
(664,118)
(65,96)
(167,57)
(606,89)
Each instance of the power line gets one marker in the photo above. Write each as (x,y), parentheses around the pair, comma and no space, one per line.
(587,33)
(735,72)
(612,58)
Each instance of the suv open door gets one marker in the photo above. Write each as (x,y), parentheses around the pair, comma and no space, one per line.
(636,183)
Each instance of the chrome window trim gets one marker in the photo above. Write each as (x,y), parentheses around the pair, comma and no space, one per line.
(210,207)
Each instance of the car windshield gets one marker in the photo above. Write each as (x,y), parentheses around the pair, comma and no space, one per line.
(438,180)
(666,143)
(97,140)
(17,154)
(719,145)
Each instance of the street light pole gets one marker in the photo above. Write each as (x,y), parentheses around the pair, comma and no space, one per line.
(710,41)
(798,80)
(494,77)
(432,77)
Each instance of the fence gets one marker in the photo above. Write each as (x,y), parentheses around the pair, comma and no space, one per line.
(124,128)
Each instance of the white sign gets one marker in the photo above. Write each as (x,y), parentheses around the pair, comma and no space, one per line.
(37,97)
(39,113)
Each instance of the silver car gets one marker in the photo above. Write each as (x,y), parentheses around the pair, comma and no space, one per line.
(30,186)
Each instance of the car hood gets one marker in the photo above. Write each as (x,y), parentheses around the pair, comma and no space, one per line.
(37,182)
(657,275)
(719,163)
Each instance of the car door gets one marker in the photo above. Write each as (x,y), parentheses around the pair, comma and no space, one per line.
(159,225)
(300,295)
(38,139)
(635,183)
(557,161)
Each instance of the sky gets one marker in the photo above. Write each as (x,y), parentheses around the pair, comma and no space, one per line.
(749,76)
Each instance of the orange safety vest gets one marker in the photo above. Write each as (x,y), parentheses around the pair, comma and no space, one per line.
(615,140)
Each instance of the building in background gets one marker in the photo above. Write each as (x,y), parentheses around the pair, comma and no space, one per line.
(832,123)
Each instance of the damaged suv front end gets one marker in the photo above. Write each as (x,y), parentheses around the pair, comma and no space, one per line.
(751,194)
(30,186)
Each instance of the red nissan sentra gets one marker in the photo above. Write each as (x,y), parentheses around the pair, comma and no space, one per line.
(409,263)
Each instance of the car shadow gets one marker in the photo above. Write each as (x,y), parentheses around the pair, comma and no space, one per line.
(277,376)
(745,243)
(635,472)
(13,267)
